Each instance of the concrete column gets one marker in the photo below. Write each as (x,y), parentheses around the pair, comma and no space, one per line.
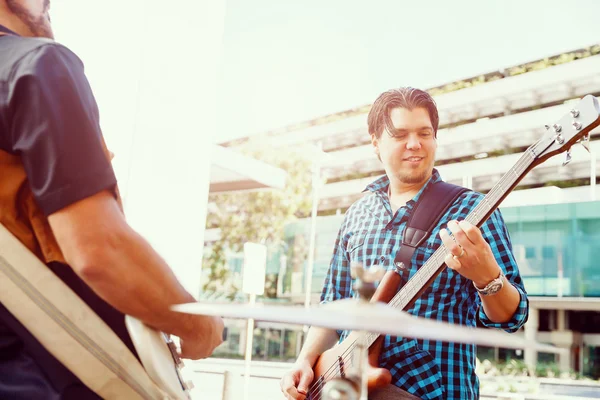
(565,361)
(561,320)
(154,73)
(281,343)
(175,123)
(531,328)
(566,339)
(242,342)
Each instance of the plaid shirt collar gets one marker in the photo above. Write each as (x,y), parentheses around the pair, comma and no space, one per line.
(381,185)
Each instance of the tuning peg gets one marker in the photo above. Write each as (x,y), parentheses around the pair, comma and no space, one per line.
(585,142)
(372,274)
(577,125)
(557,128)
(575,113)
(559,138)
(567,158)
(546,126)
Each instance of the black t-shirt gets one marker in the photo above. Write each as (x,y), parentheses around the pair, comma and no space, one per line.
(48,117)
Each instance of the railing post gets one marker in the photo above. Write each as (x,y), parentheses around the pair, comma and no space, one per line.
(226,392)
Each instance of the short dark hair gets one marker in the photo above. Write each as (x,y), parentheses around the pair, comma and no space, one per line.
(404,97)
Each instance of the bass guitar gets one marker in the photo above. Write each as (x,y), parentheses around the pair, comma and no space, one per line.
(573,127)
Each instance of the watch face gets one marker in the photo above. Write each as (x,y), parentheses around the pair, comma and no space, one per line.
(494,287)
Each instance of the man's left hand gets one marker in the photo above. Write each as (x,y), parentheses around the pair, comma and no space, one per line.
(468,253)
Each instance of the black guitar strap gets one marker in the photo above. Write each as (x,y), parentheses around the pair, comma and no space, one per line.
(431,206)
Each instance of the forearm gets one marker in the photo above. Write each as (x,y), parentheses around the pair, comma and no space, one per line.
(501,306)
(133,278)
(318,340)
(122,268)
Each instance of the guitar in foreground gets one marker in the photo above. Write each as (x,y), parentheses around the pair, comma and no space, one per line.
(160,358)
(70,330)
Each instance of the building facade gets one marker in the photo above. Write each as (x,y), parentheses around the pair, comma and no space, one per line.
(486,123)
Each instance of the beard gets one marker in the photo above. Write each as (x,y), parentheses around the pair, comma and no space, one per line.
(39,26)
(414,177)
(411,177)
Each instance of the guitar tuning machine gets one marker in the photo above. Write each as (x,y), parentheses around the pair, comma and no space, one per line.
(585,142)
(557,128)
(366,279)
(567,158)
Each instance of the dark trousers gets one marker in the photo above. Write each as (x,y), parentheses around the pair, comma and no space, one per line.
(28,371)
(391,392)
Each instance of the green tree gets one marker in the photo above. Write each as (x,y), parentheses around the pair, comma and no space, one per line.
(258,216)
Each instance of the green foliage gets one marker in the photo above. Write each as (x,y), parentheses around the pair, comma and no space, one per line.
(517,368)
(259,216)
(447,88)
(517,70)
(547,370)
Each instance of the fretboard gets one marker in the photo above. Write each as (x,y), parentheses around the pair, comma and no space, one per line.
(433,266)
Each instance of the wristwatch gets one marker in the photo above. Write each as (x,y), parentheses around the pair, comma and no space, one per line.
(493,287)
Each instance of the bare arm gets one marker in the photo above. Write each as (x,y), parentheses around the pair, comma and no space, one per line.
(295,383)
(318,340)
(123,269)
(472,257)
(501,306)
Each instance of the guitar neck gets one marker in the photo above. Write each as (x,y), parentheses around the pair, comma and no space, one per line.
(435,264)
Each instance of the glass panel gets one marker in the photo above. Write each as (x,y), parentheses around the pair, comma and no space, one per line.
(486,353)
(555,247)
(591,361)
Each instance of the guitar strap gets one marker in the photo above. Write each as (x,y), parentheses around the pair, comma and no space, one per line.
(431,206)
(67,327)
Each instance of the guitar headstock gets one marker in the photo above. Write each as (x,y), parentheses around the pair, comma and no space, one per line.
(572,127)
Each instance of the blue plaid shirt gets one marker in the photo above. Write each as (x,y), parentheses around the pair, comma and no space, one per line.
(426,368)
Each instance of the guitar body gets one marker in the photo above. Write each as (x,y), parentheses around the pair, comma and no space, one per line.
(334,358)
(376,377)
(159,358)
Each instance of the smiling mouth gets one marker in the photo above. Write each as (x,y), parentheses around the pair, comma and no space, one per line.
(413,159)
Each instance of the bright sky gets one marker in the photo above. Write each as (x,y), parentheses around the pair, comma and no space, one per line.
(290,61)
(152,66)
(154,69)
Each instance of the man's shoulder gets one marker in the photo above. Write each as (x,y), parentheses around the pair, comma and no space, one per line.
(469,196)
(360,212)
(365,202)
(15,48)
(24,54)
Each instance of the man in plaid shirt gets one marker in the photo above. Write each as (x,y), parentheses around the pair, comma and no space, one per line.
(482,281)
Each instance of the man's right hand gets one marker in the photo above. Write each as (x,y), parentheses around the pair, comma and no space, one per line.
(296,382)
(201,342)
